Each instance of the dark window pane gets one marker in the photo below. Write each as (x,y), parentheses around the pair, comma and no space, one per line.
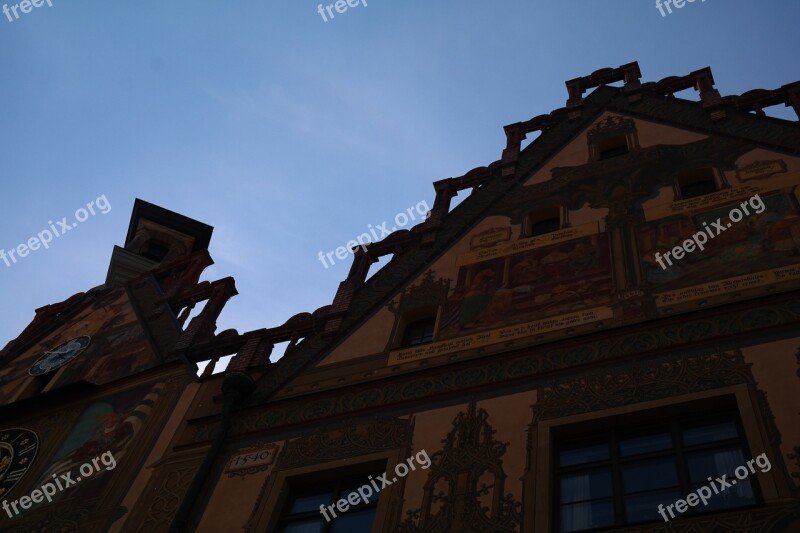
(585,486)
(303,526)
(710,433)
(590,515)
(309,501)
(372,496)
(630,480)
(354,521)
(419,332)
(354,484)
(613,152)
(645,444)
(714,463)
(649,475)
(156,251)
(698,188)
(548,225)
(644,507)
(585,454)
(612,147)
(738,495)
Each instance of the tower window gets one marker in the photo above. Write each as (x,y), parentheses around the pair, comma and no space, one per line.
(418,332)
(697,183)
(156,251)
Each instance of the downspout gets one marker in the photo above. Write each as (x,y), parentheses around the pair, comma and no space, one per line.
(236,387)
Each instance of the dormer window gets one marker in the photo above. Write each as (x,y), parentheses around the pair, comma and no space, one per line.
(418,332)
(612,147)
(543,221)
(548,225)
(697,182)
(698,188)
(612,137)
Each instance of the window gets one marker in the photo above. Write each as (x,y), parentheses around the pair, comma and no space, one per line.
(613,136)
(612,147)
(697,183)
(301,513)
(418,332)
(699,188)
(156,250)
(547,225)
(620,476)
(543,221)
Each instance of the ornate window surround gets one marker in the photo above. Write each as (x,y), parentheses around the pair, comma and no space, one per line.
(612,127)
(424,300)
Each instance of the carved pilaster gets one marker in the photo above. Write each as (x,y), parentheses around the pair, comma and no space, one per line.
(457,480)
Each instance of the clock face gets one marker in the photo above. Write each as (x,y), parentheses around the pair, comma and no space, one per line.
(59,356)
(18,449)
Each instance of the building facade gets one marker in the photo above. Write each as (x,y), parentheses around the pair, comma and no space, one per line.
(603,335)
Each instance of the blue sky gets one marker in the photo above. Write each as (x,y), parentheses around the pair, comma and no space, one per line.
(289,134)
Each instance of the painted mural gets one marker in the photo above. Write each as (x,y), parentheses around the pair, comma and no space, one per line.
(760,241)
(118,346)
(109,425)
(531,285)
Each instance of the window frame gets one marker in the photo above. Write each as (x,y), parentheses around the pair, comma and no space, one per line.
(543,214)
(533,231)
(416,314)
(616,144)
(428,320)
(339,487)
(274,494)
(685,178)
(538,480)
(156,250)
(678,451)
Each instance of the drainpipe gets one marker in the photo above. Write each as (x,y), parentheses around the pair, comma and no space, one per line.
(236,387)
